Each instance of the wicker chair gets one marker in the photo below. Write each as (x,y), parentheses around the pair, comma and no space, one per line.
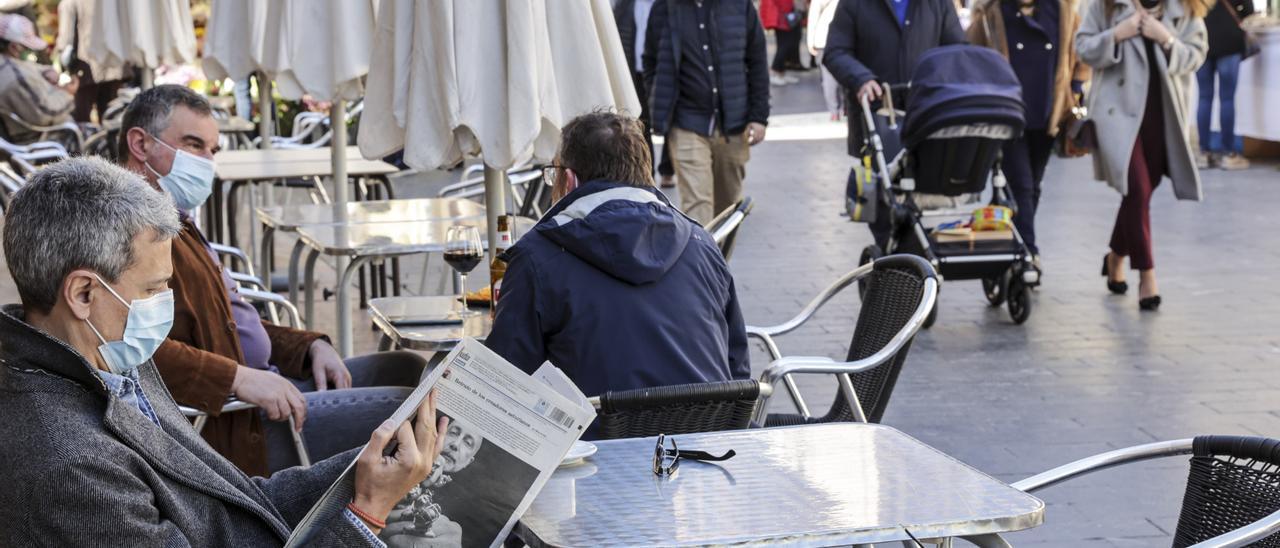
(679,409)
(900,291)
(1233,490)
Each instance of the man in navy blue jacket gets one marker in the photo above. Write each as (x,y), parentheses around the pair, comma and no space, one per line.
(708,82)
(614,285)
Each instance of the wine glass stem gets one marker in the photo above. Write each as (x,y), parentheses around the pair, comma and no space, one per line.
(463,311)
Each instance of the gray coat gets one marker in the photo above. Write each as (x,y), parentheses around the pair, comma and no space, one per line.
(1118,95)
(83,468)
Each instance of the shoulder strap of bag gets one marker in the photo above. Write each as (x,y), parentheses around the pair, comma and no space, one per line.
(1232,10)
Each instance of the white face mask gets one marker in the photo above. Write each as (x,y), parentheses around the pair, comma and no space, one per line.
(190,179)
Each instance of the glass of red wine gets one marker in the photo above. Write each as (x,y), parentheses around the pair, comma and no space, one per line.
(463,251)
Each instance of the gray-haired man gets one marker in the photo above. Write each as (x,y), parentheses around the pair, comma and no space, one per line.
(96,450)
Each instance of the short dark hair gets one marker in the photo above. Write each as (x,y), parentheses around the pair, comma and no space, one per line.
(151,109)
(607,146)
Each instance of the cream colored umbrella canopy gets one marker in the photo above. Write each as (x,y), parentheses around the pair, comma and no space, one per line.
(457,78)
(142,33)
(234,38)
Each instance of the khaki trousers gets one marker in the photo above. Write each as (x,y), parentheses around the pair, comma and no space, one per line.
(709,170)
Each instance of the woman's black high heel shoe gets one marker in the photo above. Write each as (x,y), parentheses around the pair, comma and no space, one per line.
(1151,303)
(1119,288)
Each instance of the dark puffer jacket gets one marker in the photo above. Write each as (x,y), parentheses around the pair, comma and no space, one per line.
(620,291)
(742,62)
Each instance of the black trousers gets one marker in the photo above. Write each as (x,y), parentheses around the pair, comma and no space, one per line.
(1024,163)
(665,168)
(788,51)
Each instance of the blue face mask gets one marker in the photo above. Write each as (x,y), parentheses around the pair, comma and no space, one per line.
(190,180)
(146,327)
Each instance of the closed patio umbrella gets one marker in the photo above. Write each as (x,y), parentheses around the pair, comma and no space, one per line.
(322,48)
(494,78)
(143,33)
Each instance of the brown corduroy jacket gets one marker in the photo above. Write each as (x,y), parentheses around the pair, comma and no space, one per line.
(199,359)
(986,28)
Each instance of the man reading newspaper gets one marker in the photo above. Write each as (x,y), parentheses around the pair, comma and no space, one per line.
(96,451)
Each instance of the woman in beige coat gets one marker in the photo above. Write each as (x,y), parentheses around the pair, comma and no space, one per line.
(1142,53)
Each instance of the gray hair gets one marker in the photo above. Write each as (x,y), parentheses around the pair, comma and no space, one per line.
(151,110)
(79,213)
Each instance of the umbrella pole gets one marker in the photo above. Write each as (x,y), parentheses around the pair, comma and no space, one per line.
(148,78)
(338,123)
(266,111)
(495,185)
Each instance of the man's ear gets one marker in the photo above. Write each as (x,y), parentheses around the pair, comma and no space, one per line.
(77,290)
(570,181)
(137,140)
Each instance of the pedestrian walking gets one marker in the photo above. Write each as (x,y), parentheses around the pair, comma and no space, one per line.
(706,70)
(1141,53)
(1226,51)
(785,18)
(1036,37)
(821,12)
(632,18)
(874,41)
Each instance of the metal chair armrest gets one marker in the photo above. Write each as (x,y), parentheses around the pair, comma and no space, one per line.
(782,369)
(1103,461)
(247,281)
(1246,535)
(821,299)
(234,252)
(199,418)
(273,299)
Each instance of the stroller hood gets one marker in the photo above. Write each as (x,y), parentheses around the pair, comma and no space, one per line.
(962,84)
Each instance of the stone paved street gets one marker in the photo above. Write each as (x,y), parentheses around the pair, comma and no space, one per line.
(1087,373)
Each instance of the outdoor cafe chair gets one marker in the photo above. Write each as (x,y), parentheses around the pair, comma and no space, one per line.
(678,409)
(68,133)
(526,183)
(900,292)
(724,227)
(1232,495)
(10,182)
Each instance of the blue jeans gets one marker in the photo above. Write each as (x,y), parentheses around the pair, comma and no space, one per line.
(338,420)
(1227,68)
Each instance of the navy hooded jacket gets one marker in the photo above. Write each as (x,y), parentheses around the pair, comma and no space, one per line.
(620,290)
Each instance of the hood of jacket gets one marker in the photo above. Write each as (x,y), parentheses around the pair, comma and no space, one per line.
(631,233)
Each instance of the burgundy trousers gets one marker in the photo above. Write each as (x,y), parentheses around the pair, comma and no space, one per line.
(1131,236)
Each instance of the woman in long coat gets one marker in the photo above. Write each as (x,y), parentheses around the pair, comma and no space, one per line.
(1143,53)
(1036,36)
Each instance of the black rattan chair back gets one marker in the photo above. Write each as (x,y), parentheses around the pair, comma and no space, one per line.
(678,409)
(1234,481)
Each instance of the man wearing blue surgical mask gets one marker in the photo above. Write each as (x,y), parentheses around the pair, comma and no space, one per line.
(219,347)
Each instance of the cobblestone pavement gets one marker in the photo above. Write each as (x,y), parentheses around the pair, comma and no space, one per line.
(1087,373)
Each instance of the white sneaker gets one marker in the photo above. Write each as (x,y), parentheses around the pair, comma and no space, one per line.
(777,80)
(791,79)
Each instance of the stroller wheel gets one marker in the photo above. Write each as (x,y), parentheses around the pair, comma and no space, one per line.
(1019,299)
(869,254)
(996,288)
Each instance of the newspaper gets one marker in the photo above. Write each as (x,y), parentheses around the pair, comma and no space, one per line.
(508,431)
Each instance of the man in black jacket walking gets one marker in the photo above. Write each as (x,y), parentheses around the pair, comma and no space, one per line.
(705,68)
(874,41)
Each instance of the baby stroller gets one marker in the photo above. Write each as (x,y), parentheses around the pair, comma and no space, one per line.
(963,104)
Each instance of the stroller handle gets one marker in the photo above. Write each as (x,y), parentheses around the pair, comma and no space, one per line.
(877,146)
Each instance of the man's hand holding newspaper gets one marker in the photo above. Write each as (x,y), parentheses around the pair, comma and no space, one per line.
(382,479)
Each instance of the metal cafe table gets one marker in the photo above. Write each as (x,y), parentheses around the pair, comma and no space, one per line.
(814,485)
(240,167)
(291,218)
(363,243)
(405,322)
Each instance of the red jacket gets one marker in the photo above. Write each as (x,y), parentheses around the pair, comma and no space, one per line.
(773,13)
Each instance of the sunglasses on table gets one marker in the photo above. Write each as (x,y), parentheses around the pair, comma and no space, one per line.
(666,456)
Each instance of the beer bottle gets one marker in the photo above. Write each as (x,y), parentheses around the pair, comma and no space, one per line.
(498,268)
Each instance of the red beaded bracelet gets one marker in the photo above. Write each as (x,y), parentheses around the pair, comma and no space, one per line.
(365,516)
